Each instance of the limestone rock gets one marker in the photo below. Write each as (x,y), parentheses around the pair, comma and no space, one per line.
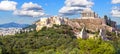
(95,24)
(102,34)
(82,34)
(49,22)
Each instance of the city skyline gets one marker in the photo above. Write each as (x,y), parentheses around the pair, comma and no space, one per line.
(28,11)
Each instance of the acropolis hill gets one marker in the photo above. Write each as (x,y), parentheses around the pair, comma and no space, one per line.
(93,22)
(88,19)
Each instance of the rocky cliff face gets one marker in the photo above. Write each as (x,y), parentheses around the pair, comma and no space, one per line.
(95,24)
(49,22)
(90,24)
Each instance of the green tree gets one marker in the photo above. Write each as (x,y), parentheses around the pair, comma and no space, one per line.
(91,46)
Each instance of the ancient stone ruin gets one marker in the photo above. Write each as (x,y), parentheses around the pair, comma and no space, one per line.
(102,34)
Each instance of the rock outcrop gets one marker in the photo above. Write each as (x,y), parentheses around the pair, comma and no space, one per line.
(95,24)
(49,22)
(89,19)
(82,34)
(92,25)
(102,34)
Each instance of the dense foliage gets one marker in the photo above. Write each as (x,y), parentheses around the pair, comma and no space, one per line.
(33,26)
(55,40)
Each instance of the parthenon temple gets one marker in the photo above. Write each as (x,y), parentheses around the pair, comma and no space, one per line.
(88,14)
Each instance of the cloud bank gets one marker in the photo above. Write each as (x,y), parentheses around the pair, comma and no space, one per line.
(8,5)
(73,7)
(116,9)
(30,9)
(115,1)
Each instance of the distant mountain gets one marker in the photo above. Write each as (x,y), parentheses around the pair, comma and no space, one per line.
(13,24)
(118,26)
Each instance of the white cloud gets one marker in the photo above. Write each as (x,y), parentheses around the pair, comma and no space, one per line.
(115,12)
(30,5)
(29,13)
(75,6)
(70,10)
(78,3)
(30,9)
(115,1)
(116,9)
(7,5)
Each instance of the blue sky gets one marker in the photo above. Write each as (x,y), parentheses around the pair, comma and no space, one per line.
(52,7)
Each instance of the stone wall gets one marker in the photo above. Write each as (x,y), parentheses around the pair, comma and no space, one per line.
(90,24)
(94,24)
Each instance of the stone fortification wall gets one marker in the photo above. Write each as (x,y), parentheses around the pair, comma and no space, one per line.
(94,24)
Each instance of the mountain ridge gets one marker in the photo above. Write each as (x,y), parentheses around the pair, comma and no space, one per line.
(13,25)
(118,26)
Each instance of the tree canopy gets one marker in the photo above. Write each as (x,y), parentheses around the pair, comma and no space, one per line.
(55,40)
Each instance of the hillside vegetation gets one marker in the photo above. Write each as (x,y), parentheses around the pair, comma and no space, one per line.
(56,40)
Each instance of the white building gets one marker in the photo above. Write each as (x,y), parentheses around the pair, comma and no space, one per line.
(9,31)
(88,14)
